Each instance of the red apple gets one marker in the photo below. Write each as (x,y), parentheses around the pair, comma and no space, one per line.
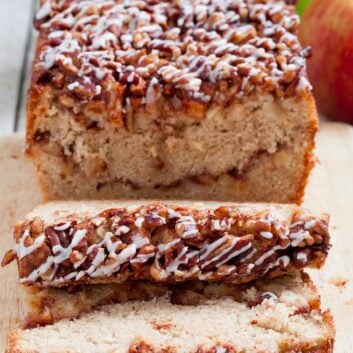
(327,26)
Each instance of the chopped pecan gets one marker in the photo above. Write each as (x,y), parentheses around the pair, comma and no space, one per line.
(153,220)
(75,257)
(52,236)
(9,256)
(37,227)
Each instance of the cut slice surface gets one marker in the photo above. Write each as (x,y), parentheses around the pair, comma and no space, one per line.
(282,315)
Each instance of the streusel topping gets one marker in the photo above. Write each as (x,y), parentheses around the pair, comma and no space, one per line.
(167,244)
(202,50)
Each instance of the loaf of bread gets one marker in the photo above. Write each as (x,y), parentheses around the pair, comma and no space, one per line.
(64,243)
(171,99)
(278,316)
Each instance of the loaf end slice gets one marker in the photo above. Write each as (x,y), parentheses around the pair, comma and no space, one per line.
(278,316)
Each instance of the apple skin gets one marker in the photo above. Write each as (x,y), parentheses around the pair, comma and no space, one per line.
(327,26)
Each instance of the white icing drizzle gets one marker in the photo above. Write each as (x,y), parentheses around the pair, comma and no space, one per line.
(181,259)
(220,349)
(189,225)
(61,253)
(139,221)
(208,248)
(98,260)
(155,215)
(23,250)
(63,227)
(267,254)
(285,260)
(42,269)
(298,237)
(80,275)
(109,244)
(266,235)
(310,224)
(162,248)
(71,275)
(249,268)
(122,257)
(221,224)
(97,221)
(73,85)
(139,240)
(298,223)
(44,11)
(122,230)
(248,256)
(235,253)
(302,256)
(142,258)
(226,271)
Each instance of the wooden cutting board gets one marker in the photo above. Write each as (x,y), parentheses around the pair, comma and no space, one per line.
(330,190)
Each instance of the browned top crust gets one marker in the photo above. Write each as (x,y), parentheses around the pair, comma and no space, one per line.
(199,51)
(166,243)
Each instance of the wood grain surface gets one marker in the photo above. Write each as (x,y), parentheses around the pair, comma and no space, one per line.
(330,190)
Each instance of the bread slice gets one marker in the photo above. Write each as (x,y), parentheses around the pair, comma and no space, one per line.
(173,100)
(70,243)
(278,316)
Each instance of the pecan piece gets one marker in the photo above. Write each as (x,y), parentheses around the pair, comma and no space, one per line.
(153,220)
(75,257)
(9,256)
(52,236)
(157,273)
(37,227)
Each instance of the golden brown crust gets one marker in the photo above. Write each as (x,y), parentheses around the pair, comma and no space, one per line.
(309,159)
(13,339)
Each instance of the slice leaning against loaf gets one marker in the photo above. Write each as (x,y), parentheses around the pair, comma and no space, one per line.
(278,316)
(64,243)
